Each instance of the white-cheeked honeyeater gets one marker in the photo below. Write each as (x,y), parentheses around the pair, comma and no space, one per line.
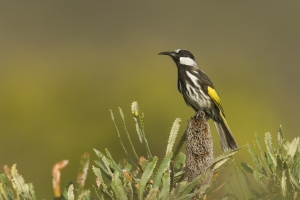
(199,93)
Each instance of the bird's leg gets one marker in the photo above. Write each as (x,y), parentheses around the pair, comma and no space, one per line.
(200,113)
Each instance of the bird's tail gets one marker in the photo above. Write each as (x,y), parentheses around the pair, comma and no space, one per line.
(227,140)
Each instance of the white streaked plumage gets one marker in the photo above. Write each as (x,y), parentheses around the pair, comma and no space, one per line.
(193,78)
(187,61)
(197,100)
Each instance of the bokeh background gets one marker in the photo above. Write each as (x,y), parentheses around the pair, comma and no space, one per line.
(64,64)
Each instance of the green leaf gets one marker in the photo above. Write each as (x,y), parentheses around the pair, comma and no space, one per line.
(199,192)
(225,155)
(4,190)
(247,167)
(255,159)
(257,141)
(294,181)
(107,165)
(280,165)
(145,177)
(139,123)
(71,192)
(225,198)
(128,136)
(97,172)
(103,169)
(280,139)
(260,183)
(110,161)
(179,161)
(270,150)
(292,150)
(262,169)
(228,188)
(219,163)
(222,159)
(113,164)
(161,169)
(188,187)
(268,141)
(283,184)
(19,184)
(119,136)
(296,164)
(254,193)
(165,189)
(286,145)
(152,194)
(117,187)
(173,135)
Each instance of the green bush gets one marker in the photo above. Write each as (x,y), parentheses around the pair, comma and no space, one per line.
(276,174)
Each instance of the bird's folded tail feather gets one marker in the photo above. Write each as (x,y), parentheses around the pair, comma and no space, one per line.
(227,140)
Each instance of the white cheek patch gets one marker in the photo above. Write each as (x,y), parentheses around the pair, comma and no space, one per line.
(187,61)
(177,50)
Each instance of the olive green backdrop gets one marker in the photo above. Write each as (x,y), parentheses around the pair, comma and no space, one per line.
(64,64)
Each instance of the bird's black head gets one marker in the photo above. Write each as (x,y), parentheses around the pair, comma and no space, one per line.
(181,56)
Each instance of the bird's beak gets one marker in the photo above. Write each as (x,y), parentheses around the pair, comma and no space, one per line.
(168,53)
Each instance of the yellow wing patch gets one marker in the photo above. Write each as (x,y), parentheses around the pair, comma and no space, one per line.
(215,97)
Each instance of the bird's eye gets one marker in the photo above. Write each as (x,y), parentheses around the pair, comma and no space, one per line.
(180,53)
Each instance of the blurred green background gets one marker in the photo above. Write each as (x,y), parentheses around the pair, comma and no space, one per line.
(64,64)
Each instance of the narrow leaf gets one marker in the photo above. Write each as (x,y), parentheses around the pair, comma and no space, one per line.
(152,194)
(292,150)
(280,139)
(117,187)
(139,120)
(257,177)
(173,135)
(19,184)
(103,169)
(71,192)
(249,184)
(294,181)
(257,138)
(247,167)
(161,169)
(128,136)
(165,189)
(113,164)
(119,136)
(255,158)
(145,177)
(225,155)
(188,187)
(97,172)
(219,164)
(283,184)
(268,141)
(179,161)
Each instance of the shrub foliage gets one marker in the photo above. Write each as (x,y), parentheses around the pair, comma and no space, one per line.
(274,174)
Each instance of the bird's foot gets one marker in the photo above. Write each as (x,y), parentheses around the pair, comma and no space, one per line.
(200,113)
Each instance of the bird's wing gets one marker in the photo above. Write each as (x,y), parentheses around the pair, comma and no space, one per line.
(208,87)
(215,97)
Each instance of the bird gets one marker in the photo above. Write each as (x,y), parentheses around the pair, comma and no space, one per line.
(199,93)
